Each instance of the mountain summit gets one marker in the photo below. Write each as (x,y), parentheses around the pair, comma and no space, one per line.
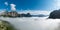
(55,14)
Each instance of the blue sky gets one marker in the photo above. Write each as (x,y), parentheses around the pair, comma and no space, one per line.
(31,4)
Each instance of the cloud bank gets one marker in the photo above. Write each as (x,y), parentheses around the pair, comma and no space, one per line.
(36,12)
(33,23)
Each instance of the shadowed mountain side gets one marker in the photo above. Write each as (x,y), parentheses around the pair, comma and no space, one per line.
(4,25)
(55,14)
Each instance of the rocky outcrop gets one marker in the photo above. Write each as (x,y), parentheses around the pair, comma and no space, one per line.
(55,14)
(25,15)
(10,14)
(4,25)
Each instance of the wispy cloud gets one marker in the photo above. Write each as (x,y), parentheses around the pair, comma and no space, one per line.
(6,3)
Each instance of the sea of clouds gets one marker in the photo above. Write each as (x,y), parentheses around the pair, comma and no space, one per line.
(33,23)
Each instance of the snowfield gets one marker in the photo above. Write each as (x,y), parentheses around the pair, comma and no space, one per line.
(33,23)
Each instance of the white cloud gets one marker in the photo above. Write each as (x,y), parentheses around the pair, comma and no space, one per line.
(13,7)
(33,23)
(6,3)
(35,12)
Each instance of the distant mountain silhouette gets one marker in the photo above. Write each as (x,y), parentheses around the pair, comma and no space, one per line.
(40,15)
(55,14)
(25,15)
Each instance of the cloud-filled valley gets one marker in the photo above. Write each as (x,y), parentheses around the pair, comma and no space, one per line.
(33,23)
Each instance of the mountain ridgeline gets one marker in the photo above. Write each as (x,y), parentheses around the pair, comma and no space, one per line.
(14,14)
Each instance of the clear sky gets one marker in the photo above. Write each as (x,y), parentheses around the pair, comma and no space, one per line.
(31,4)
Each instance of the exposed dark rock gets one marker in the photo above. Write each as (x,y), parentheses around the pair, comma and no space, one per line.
(55,14)
(28,15)
(4,25)
(25,15)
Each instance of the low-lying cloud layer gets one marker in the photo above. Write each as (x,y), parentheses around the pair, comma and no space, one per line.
(56,4)
(36,12)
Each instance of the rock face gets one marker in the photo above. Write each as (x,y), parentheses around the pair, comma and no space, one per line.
(4,25)
(10,14)
(55,14)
